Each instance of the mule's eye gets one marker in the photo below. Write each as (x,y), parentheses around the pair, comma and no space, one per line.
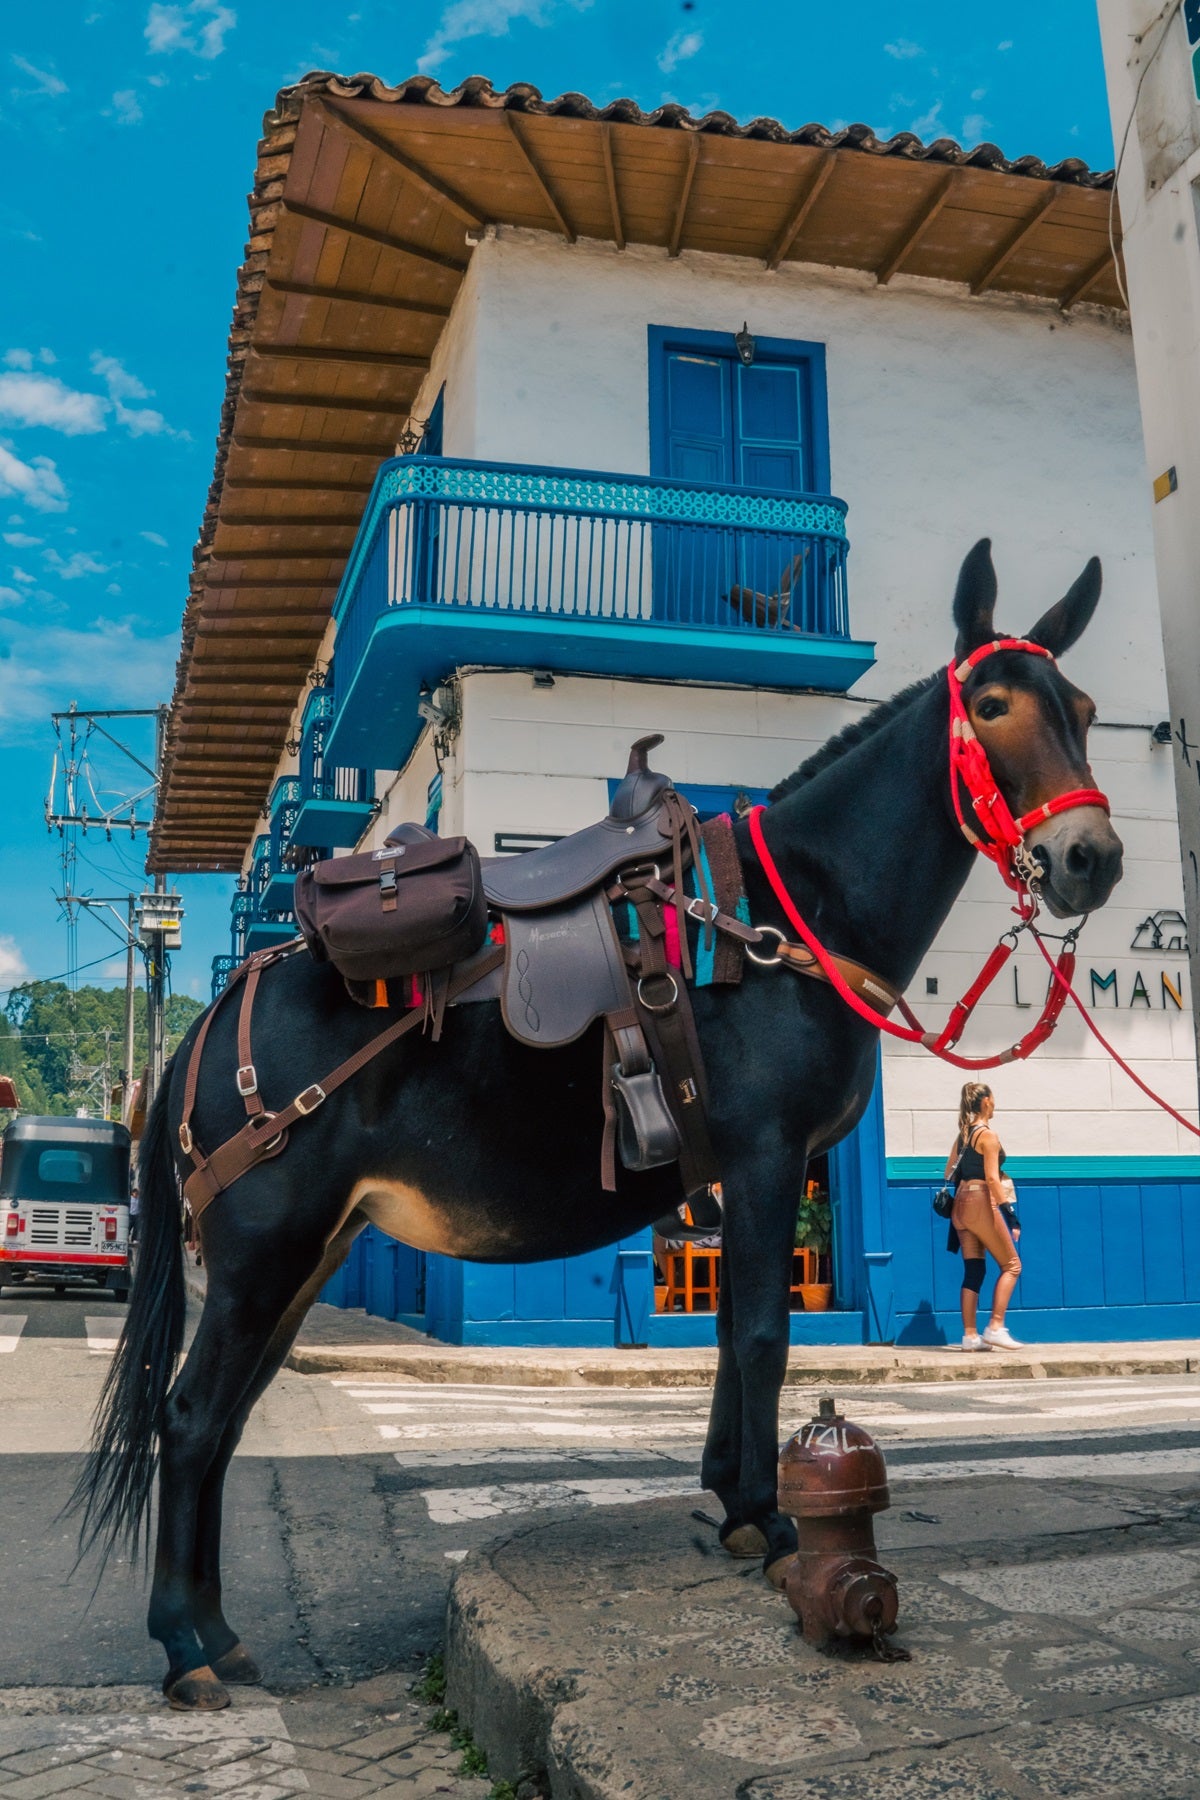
(991,708)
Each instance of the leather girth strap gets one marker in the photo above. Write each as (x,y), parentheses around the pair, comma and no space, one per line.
(864,982)
(265,1133)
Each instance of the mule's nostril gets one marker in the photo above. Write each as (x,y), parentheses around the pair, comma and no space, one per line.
(1080,859)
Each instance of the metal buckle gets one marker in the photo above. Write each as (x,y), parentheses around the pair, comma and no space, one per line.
(699,908)
(661,1006)
(185,1138)
(310,1099)
(767,962)
(247,1087)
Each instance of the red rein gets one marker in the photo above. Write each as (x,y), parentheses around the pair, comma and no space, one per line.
(997,835)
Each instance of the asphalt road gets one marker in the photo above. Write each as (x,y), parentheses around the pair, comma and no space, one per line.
(353,1497)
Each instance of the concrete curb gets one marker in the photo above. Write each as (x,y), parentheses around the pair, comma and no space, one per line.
(636,1369)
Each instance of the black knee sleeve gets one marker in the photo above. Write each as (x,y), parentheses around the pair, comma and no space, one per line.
(974,1270)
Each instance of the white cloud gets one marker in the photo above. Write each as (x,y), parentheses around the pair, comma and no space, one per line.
(139,421)
(47,83)
(34,399)
(929,122)
(21,540)
(75,566)
(903,49)
(199,28)
(125,107)
(13,967)
(46,356)
(152,537)
(1006,45)
(19,359)
(978,93)
(464,19)
(23,575)
(680,48)
(111,664)
(973,128)
(37,482)
(10,597)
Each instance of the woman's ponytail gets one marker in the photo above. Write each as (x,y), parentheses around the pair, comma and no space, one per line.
(973,1094)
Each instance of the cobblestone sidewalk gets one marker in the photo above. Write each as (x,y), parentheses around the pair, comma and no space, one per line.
(123,1743)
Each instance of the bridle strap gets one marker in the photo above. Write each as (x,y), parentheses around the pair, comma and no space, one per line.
(995,833)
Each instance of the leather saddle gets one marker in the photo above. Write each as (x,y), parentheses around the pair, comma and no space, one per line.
(565,966)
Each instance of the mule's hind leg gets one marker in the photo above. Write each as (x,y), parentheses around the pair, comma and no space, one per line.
(228,1658)
(235,1330)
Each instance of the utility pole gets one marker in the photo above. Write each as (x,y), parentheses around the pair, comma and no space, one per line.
(128,1073)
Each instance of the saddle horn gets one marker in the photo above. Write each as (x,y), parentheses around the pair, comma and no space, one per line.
(640,785)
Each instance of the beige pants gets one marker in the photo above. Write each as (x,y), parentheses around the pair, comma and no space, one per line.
(981,1227)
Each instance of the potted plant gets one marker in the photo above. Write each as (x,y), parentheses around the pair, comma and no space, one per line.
(814,1232)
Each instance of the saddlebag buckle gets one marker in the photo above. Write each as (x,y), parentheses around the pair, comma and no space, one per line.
(247,1080)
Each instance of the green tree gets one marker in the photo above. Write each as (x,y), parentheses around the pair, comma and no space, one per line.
(48,1032)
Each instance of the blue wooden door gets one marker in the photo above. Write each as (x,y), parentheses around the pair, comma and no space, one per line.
(716,420)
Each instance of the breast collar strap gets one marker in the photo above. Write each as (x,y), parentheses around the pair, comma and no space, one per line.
(994,832)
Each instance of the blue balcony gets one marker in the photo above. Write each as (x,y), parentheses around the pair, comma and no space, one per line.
(572,571)
(336,805)
(222,969)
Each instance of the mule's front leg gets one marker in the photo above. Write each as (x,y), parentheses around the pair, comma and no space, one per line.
(721,1468)
(759,1241)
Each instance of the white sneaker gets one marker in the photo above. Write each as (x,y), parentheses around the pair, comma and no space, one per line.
(973,1341)
(999,1337)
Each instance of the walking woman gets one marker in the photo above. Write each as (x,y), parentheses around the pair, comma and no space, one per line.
(980,1219)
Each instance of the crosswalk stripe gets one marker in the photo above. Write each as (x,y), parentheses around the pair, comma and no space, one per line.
(487,1459)
(102,1335)
(454,1506)
(11,1327)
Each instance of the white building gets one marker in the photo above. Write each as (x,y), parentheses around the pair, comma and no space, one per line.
(552,296)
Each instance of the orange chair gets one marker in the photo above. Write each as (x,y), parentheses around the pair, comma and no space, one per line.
(693,1275)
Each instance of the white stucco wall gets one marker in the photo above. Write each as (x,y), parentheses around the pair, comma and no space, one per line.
(950,418)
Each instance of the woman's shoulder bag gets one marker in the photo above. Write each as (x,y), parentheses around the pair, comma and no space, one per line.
(943,1200)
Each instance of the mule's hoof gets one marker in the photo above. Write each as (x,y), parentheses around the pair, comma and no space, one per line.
(238,1667)
(198,1691)
(775,1572)
(745,1540)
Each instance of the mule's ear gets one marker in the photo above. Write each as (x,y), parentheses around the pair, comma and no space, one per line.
(975,600)
(1069,618)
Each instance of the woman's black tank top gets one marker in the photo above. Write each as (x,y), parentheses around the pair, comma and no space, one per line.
(971,1167)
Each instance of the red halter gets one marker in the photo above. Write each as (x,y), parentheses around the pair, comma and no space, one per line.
(1002,842)
(1002,834)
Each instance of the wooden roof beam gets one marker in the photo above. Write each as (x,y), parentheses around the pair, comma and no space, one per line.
(306,290)
(367,359)
(273,581)
(916,228)
(1015,239)
(685,193)
(1079,287)
(284,484)
(386,239)
(809,196)
(324,447)
(610,181)
(232,556)
(539,179)
(416,172)
(384,409)
(302,521)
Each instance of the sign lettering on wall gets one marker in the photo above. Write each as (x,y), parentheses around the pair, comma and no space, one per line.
(1169,992)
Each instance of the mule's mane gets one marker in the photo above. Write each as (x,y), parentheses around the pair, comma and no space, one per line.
(850,736)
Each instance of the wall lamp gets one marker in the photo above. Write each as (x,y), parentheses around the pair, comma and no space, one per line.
(1161,733)
(744,345)
(411,436)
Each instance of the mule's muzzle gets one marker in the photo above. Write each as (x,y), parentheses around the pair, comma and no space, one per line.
(1081,858)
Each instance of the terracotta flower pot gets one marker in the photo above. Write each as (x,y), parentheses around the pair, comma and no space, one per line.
(817,1295)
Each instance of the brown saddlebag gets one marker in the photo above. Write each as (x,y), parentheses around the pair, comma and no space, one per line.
(418,904)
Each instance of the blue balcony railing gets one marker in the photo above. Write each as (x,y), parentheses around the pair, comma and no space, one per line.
(222,969)
(336,804)
(575,571)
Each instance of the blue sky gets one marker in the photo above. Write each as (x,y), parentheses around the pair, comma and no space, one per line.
(127,135)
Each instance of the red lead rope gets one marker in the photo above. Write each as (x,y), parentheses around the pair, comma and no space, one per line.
(914,1033)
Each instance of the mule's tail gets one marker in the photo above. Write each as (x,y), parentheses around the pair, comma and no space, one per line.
(113,1492)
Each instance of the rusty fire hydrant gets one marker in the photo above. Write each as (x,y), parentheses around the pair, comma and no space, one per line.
(832,1478)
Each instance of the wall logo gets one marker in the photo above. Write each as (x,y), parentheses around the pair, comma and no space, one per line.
(1165,930)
